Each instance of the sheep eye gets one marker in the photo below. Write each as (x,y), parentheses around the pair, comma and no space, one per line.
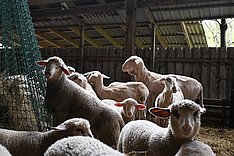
(176,114)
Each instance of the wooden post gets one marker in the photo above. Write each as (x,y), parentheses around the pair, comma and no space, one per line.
(232,99)
(223,28)
(130,31)
(82,49)
(153,37)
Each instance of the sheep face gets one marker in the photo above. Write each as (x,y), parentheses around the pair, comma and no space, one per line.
(75,127)
(130,107)
(54,66)
(184,118)
(171,84)
(131,64)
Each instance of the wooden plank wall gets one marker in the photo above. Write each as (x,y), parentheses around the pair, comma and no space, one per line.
(210,66)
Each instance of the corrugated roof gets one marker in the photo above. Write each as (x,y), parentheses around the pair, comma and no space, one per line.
(99,24)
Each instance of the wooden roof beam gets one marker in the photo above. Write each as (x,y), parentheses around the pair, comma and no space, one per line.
(185,31)
(41,2)
(137,39)
(157,32)
(78,10)
(86,37)
(108,36)
(65,37)
(49,39)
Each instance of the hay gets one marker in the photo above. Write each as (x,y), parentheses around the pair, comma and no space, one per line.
(220,139)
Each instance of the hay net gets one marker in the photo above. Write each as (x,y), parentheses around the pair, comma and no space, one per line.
(22,85)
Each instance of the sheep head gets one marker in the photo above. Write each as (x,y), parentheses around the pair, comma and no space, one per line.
(75,127)
(54,66)
(184,118)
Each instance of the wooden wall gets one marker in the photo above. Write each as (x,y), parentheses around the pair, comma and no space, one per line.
(210,66)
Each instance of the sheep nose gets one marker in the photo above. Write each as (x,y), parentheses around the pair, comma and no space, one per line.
(187,128)
(174,89)
(129,114)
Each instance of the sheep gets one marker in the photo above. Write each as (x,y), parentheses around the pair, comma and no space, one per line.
(4,151)
(118,91)
(82,81)
(191,88)
(195,148)
(128,108)
(86,146)
(184,124)
(65,99)
(170,94)
(81,146)
(28,143)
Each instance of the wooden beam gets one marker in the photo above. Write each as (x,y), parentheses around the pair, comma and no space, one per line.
(108,36)
(137,39)
(65,37)
(157,31)
(49,39)
(86,37)
(130,28)
(43,2)
(185,31)
(78,10)
(153,3)
(153,38)
(82,49)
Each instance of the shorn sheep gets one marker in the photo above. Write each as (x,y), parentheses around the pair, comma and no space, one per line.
(195,148)
(82,81)
(144,135)
(128,108)
(170,94)
(65,99)
(191,88)
(33,143)
(118,91)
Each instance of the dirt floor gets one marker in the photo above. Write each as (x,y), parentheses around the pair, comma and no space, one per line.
(220,139)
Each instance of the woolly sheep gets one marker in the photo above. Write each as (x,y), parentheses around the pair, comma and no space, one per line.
(4,151)
(80,146)
(65,99)
(82,81)
(184,124)
(195,148)
(118,91)
(191,88)
(86,146)
(170,94)
(128,108)
(28,143)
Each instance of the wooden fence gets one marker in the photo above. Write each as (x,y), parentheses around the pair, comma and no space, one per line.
(211,66)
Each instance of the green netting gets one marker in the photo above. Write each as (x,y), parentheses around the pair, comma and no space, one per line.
(22,85)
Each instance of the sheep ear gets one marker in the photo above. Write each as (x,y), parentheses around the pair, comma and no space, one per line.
(59,127)
(160,112)
(42,63)
(180,79)
(118,104)
(141,107)
(104,76)
(137,61)
(65,70)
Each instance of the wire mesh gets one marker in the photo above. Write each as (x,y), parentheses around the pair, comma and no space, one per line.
(22,85)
